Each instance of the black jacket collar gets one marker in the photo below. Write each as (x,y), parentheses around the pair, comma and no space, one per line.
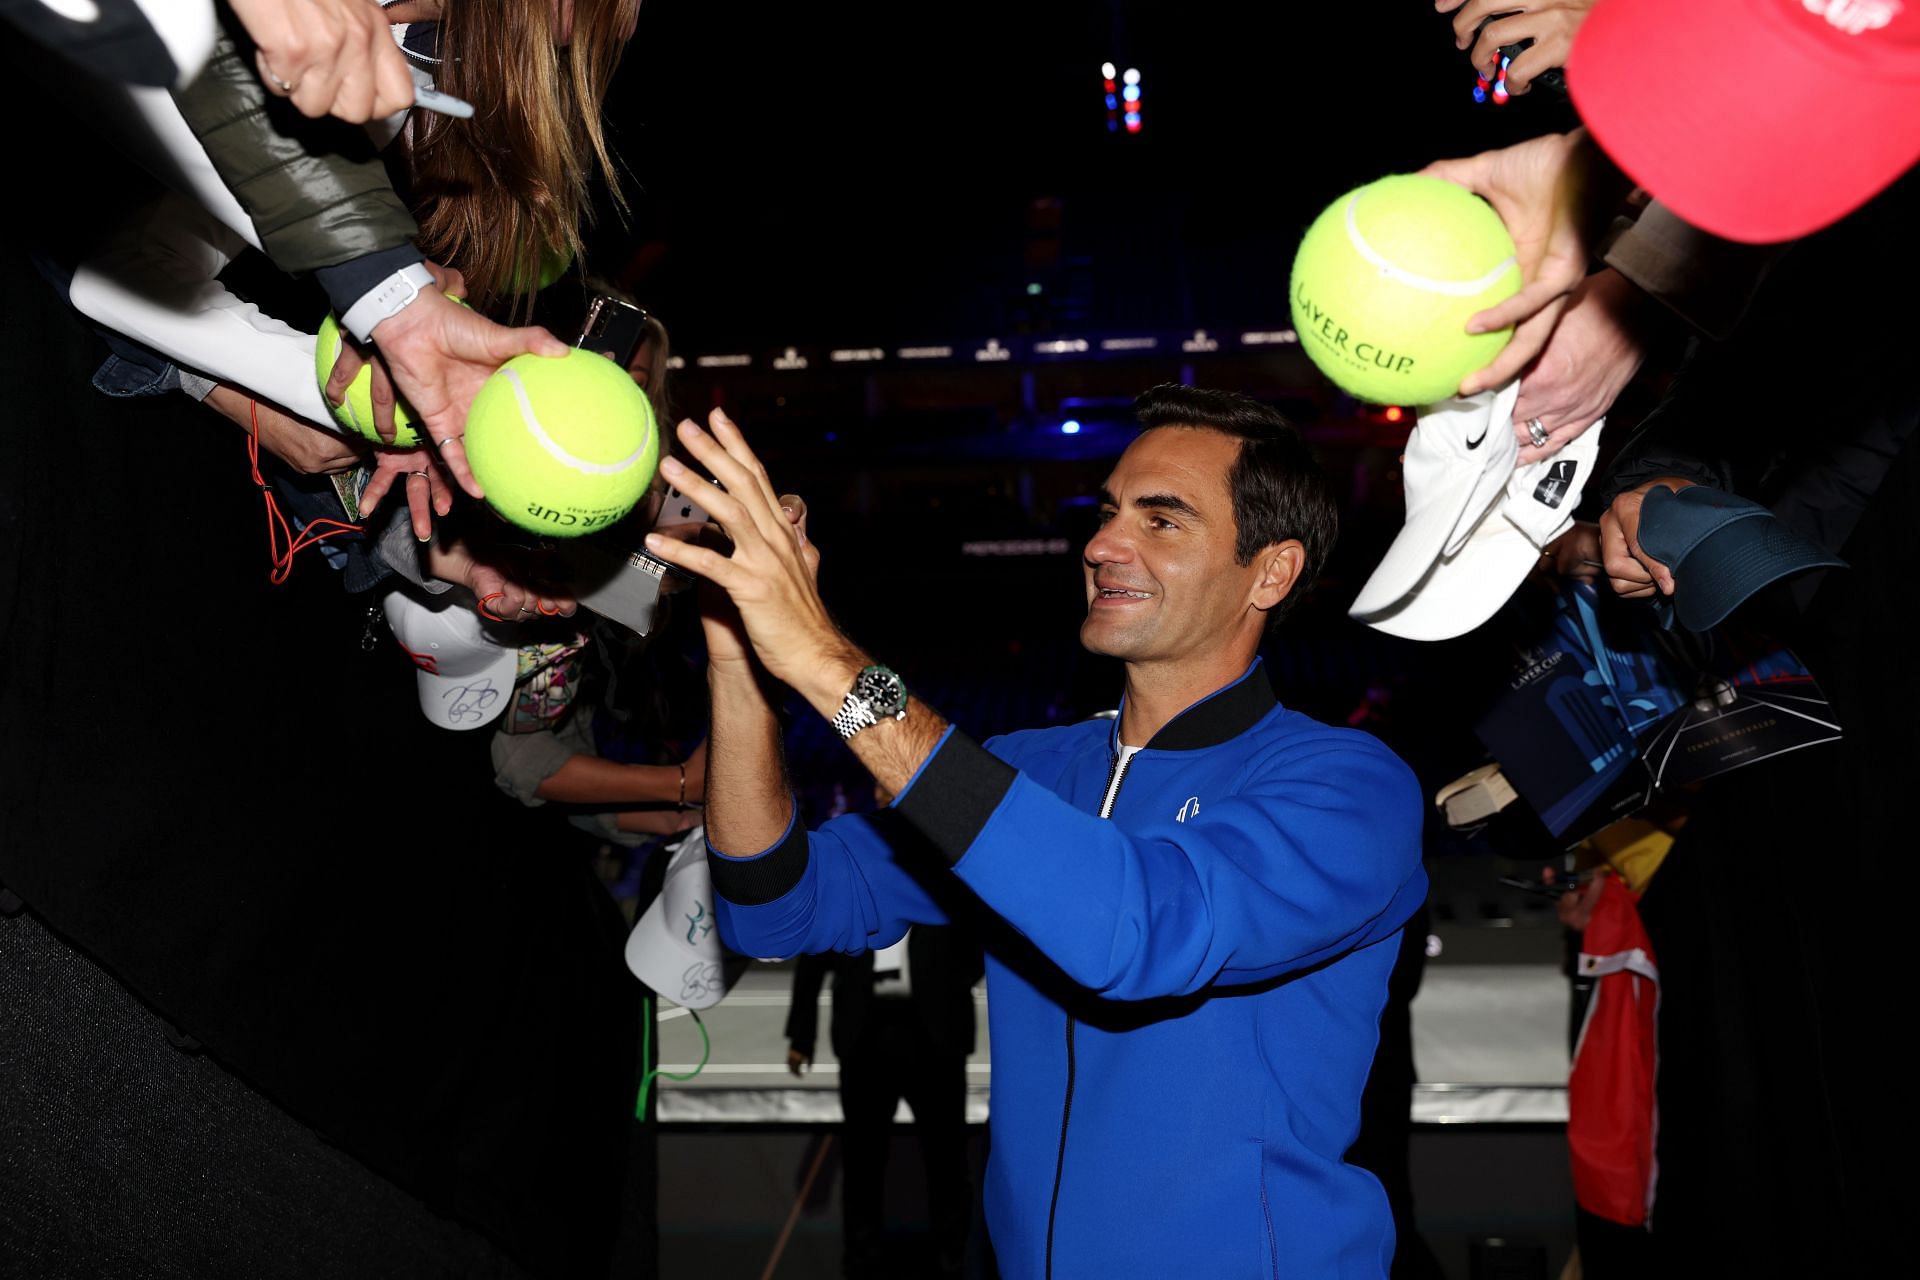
(1220,717)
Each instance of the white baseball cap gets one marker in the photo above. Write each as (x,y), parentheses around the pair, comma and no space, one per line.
(1466,586)
(1458,458)
(675,947)
(466,669)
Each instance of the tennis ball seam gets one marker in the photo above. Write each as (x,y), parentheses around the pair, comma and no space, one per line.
(1451,288)
(555,449)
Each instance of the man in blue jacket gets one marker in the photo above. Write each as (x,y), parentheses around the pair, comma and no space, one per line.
(1204,897)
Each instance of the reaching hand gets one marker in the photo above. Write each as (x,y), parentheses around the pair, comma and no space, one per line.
(439,354)
(315,451)
(329,57)
(1589,359)
(501,589)
(771,577)
(425,487)
(798,1062)
(1575,554)
(726,635)
(1550,24)
(1536,188)
(1632,572)
(351,357)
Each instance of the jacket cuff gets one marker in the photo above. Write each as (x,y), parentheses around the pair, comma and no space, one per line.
(348,282)
(764,877)
(954,795)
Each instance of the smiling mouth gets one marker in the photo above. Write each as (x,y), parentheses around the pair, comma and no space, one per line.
(1121,593)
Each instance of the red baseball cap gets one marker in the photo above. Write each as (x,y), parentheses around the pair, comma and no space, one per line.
(1756,120)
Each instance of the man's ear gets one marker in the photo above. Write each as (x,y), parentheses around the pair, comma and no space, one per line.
(1280,568)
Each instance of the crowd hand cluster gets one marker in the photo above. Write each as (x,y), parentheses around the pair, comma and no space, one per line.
(437,354)
(1536,187)
(506,587)
(1632,572)
(1550,24)
(1590,356)
(328,57)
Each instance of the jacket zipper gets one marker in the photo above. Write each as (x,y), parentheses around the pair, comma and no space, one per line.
(1116,773)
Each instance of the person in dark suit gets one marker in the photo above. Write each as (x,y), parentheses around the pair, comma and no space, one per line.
(903,1025)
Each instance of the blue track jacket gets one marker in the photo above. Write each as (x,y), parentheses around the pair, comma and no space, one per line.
(1184,996)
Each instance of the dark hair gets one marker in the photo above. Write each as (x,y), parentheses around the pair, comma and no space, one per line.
(1279,491)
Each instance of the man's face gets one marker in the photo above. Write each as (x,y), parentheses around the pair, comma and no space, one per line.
(1161,580)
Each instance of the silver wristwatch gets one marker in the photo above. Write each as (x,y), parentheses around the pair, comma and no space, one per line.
(877,694)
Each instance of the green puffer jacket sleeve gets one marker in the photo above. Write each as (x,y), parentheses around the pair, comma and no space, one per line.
(316,190)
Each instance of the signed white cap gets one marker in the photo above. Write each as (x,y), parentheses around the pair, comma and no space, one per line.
(466,671)
(675,948)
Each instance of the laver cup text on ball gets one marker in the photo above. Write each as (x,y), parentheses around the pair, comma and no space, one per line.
(1384,282)
(1328,330)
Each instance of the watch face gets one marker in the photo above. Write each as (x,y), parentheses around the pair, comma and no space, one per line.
(883,691)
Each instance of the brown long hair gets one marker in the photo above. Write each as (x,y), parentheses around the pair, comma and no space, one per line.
(503,195)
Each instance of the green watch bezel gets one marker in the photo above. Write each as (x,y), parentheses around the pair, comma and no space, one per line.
(873,686)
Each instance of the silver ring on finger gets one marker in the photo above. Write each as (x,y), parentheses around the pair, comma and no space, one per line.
(284,86)
(421,472)
(444,441)
(1536,432)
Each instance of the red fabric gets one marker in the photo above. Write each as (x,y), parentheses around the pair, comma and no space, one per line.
(1756,120)
(1611,1116)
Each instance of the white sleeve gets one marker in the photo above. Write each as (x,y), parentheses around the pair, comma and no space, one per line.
(147,124)
(158,285)
(186,27)
(167,146)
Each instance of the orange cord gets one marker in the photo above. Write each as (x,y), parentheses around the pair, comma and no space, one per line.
(486,612)
(282,546)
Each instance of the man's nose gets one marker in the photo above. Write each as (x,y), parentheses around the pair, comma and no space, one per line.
(1108,546)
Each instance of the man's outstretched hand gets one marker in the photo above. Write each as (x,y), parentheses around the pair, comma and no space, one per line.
(771,577)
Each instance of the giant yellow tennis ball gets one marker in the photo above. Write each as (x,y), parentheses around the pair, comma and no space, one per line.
(355,413)
(563,445)
(1385,280)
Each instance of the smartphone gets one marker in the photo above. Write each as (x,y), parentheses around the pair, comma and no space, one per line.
(680,509)
(615,329)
